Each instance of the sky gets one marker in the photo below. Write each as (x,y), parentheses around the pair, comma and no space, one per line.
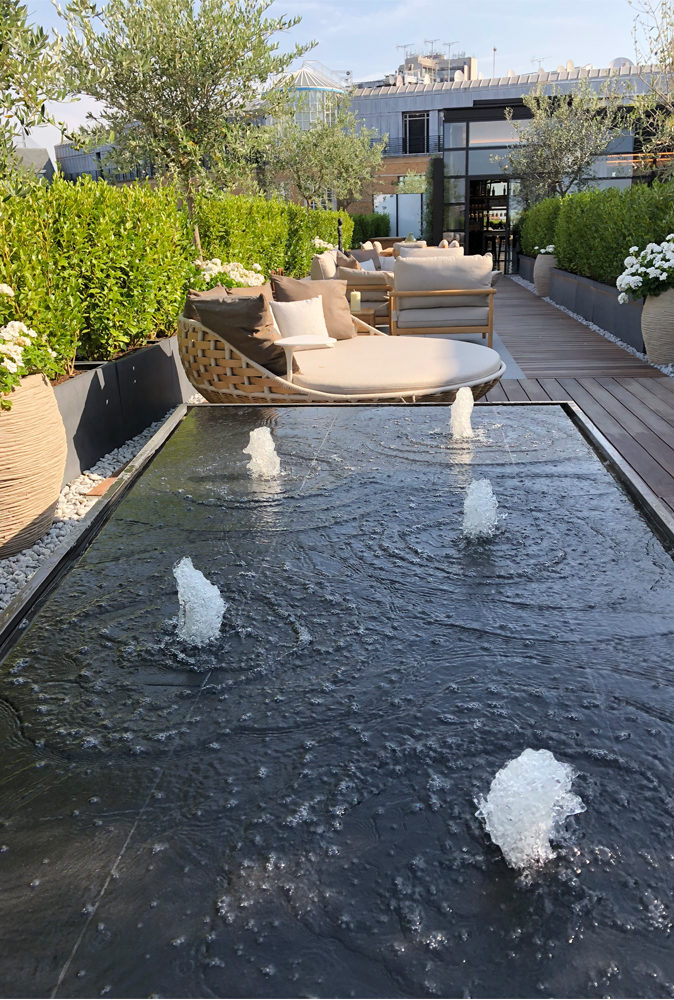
(364,36)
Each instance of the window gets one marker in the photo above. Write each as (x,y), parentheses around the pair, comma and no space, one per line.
(501,133)
(415,131)
(455,135)
(455,163)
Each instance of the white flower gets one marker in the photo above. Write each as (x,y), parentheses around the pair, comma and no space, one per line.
(6,290)
(630,261)
(10,366)
(622,298)
(634,249)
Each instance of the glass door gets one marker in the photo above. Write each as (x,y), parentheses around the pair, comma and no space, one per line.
(489,220)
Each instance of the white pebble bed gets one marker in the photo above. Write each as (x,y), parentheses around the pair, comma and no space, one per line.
(73,504)
(665,369)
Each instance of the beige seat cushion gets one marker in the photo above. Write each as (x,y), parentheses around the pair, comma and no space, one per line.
(437,273)
(324,265)
(460,316)
(408,251)
(370,365)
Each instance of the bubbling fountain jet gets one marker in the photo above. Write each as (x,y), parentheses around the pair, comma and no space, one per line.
(528,802)
(462,407)
(480,510)
(264,462)
(201,604)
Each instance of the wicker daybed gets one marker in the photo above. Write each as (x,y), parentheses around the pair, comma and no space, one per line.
(224,375)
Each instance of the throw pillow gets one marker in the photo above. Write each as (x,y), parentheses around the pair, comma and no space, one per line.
(333,293)
(361,255)
(245,322)
(367,245)
(193,297)
(301,318)
(368,265)
(344,260)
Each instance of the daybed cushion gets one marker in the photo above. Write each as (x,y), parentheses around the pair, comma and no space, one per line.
(335,303)
(220,292)
(437,273)
(396,364)
(459,316)
(410,251)
(246,323)
(300,319)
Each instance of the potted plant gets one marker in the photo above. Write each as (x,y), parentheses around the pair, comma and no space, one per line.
(32,437)
(543,265)
(651,275)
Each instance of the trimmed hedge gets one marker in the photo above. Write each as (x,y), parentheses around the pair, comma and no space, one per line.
(96,269)
(593,230)
(369,227)
(101,269)
(274,234)
(538,225)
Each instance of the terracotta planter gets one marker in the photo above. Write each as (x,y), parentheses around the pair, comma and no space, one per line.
(32,462)
(657,327)
(542,268)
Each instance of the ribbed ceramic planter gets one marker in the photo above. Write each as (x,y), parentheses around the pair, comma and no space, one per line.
(32,462)
(657,327)
(542,268)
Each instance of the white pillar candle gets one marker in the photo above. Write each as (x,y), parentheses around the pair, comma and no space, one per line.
(355,302)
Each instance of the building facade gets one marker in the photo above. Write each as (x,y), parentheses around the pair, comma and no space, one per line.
(464,122)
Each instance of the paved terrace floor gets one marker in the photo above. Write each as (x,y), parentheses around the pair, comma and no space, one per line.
(629,401)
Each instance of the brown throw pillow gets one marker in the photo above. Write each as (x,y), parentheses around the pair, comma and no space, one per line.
(254,291)
(344,260)
(246,323)
(335,304)
(216,294)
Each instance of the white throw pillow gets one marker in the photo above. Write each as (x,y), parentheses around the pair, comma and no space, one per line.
(367,265)
(301,318)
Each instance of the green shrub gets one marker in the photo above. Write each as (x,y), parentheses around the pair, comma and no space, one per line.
(369,227)
(538,225)
(595,229)
(96,269)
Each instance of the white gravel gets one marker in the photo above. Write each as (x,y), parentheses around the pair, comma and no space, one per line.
(73,504)
(665,369)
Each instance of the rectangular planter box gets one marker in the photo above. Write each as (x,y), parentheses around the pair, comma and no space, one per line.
(104,407)
(594,301)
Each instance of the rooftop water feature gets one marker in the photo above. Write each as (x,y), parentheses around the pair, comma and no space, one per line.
(528,804)
(480,510)
(462,407)
(201,604)
(292,806)
(264,462)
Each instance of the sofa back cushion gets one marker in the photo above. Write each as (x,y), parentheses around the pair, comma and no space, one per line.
(373,285)
(361,255)
(412,243)
(245,322)
(324,265)
(437,273)
(333,294)
(408,252)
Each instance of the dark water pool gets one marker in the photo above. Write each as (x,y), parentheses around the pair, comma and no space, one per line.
(290,811)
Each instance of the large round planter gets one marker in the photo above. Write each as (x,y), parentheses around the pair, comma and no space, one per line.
(32,461)
(542,268)
(657,327)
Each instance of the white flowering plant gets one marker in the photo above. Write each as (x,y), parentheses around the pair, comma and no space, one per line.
(22,352)
(550,248)
(320,244)
(649,273)
(234,275)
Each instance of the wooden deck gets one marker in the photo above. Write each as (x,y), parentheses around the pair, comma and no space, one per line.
(630,402)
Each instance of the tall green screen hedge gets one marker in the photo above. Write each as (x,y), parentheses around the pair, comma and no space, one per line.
(368,227)
(593,230)
(101,269)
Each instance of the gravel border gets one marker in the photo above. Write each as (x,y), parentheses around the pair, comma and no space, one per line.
(73,504)
(665,369)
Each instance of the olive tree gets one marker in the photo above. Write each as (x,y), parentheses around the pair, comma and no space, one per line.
(29,66)
(185,84)
(654,44)
(558,144)
(332,158)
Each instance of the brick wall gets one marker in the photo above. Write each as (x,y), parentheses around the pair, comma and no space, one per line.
(393,167)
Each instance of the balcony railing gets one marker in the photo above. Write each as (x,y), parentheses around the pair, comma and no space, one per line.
(413,147)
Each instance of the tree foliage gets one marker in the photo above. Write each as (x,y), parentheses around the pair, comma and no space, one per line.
(184,83)
(558,144)
(29,63)
(654,44)
(335,156)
